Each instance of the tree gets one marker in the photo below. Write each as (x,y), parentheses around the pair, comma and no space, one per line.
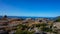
(5,16)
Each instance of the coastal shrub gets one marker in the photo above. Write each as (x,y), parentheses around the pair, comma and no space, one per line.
(57,19)
(23,32)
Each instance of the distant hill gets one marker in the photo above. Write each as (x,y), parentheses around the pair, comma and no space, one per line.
(0,16)
(57,19)
(52,18)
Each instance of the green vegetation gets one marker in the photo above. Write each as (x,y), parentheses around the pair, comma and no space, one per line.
(23,32)
(44,28)
(22,29)
(58,19)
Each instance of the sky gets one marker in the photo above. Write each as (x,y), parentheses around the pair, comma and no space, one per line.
(38,8)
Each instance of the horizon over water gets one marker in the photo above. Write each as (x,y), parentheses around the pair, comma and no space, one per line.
(33,17)
(26,17)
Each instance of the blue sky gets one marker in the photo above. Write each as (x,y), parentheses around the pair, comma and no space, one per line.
(39,8)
